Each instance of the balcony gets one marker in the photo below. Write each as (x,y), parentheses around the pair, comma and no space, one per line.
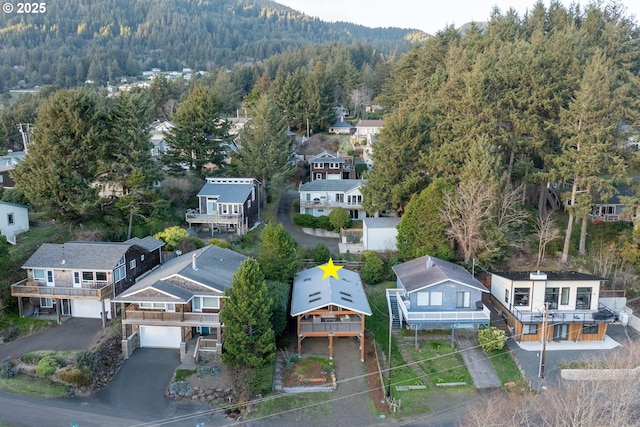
(193,216)
(464,315)
(603,314)
(88,290)
(133,315)
(324,203)
(325,324)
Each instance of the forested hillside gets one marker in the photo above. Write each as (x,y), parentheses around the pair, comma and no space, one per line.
(100,40)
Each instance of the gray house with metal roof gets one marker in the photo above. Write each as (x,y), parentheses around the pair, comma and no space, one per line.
(80,279)
(179,303)
(226,205)
(435,294)
(329,307)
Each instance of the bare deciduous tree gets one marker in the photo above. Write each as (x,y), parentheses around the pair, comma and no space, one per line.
(546,231)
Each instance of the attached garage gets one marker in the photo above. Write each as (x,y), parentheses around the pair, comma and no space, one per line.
(160,336)
(89,309)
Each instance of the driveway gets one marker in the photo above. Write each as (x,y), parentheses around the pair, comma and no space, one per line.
(73,334)
(284,217)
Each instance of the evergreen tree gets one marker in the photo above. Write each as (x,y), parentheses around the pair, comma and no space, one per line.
(264,151)
(200,133)
(277,257)
(249,335)
(61,164)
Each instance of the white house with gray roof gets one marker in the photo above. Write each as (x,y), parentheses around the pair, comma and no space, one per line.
(80,279)
(14,219)
(226,205)
(329,307)
(180,302)
(435,294)
(320,197)
(380,233)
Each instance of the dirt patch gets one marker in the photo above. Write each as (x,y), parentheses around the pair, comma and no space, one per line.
(319,143)
(376,388)
(309,371)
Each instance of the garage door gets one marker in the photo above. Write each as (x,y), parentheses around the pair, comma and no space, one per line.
(87,309)
(160,336)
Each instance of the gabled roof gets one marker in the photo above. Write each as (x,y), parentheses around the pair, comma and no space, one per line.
(101,256)
(326,157)
(370,123)
(427,271)
(311,292)
(227,193)
(340,185)
(342,124)
(178,281)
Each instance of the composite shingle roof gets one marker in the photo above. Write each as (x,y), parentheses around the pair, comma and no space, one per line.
(227,193)
(381,222)
(427,271)
(341,185)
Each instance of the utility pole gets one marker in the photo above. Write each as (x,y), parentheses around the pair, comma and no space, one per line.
(544,339)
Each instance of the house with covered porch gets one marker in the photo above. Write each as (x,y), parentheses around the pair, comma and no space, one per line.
(329,302)
(566,301)
(435,294)
(178,305)
(80,279)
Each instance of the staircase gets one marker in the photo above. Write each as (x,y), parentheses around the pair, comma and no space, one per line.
(395,312)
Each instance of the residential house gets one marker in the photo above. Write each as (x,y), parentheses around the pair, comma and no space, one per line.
(367,128)
(158,133)
(226,205)
(613,208)
(179,302)
(14,219)
(8,163)
(341,127)
(574,311)
(380,233)
(80,279)
(320,197)
(329,307)
(435,294)
(330,166)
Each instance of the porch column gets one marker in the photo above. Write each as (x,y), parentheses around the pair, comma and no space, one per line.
(330,346)
(362,347)
(103,314)
(20,306)
(299,335)
(58,303)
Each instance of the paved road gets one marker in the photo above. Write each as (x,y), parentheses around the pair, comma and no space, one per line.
(284,217)
(73,334)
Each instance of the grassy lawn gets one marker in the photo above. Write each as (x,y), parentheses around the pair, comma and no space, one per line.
(33,386)
(441,363)
(505,366)
(313,404)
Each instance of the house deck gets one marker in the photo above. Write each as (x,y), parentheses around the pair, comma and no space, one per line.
(94,291)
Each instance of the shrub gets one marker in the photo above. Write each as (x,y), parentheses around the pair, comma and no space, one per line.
(219,242)
(7,370)
(339,218)
(87,359)
(11,333)
(172,237)
(323,222)
(181,388)
(491,339)
(372,268)
(260,380)
(304,220)
(75,374)
(321,253)
(47,366)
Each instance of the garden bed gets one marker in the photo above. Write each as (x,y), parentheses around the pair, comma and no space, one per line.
(310,374)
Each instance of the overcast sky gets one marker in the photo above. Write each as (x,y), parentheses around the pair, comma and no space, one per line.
(427,15)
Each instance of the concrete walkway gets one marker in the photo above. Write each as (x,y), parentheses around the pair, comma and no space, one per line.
(478,364)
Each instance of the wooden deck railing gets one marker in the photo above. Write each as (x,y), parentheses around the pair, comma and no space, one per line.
(132,315)
(31,289)
(613,293)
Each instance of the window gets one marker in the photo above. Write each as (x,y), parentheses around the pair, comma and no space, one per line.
(529,329)
(521,297)
(590,329)
(205,302)
(156,305)
(551,296)
(318,176)
(333,165)
(564,298)
(132,264)
(38,275)
(506,296)
(142,258)
(46,302)
(101,276)
(120,272)
(87,276)
(463,299)
(340,197)
(583,299)
(429,298)
(10,219)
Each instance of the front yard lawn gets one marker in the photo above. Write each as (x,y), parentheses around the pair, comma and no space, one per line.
(440,362)
(33,386)
(505,366)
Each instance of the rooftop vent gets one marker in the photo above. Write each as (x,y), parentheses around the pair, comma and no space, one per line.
(538,275)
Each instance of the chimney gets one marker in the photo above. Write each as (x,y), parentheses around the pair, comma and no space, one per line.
(193,263)
(537,275)
(429,261)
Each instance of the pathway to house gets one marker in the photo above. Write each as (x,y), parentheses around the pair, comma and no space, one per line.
(478,364)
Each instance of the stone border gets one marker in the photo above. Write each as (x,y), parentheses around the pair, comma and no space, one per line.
(313,389)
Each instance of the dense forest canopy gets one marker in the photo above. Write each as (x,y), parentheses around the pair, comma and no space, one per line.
(75,41)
